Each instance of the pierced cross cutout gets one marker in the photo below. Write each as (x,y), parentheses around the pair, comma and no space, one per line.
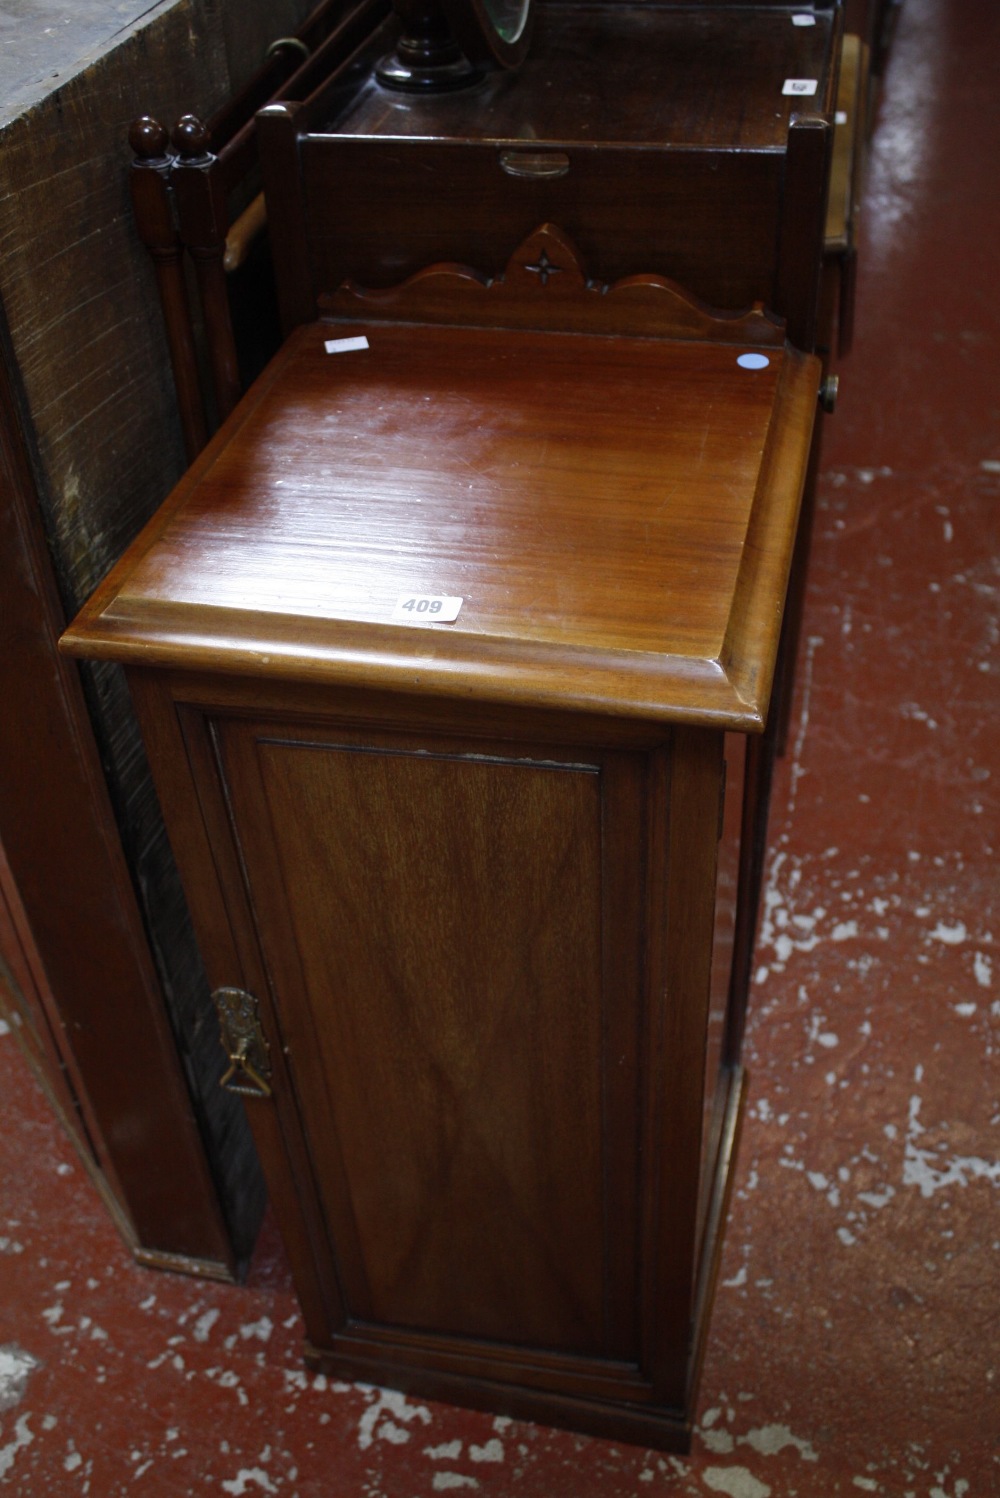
(544,268)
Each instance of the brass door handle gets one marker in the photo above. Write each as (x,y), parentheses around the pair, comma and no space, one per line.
(244,1042)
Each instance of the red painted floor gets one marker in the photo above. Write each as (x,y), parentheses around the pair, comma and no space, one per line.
(855,1342)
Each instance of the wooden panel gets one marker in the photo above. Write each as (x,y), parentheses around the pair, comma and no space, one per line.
(626,210)
(432,921)
(546,279)
(800,250)
(681,921)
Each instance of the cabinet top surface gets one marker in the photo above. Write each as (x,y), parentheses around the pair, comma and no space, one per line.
(639,75)
(616,514)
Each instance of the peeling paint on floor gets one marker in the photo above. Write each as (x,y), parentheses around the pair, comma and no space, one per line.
(16,1366)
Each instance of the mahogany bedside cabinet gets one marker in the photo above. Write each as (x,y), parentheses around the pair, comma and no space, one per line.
(447,652)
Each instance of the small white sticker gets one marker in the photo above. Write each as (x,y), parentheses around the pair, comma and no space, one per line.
(426,608)
(753,361)
(804,88)
(803,20)
(840,118)
(345,345)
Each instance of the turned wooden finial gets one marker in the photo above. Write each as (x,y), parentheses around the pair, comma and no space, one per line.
(148,139)
(190,138)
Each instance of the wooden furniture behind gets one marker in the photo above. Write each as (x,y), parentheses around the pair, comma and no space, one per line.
(459,886)
(195,198)
(659,138)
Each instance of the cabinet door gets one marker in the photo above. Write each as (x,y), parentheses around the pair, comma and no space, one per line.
(453,939)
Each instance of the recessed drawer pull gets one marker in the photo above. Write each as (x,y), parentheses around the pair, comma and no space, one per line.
(537,165)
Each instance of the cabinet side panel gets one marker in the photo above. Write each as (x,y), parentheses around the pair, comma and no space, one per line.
(718,1067)
(680,1035)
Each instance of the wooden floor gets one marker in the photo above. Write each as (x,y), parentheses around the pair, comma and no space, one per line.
(855,1341)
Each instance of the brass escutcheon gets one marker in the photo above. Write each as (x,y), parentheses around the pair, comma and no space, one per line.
(244,1042)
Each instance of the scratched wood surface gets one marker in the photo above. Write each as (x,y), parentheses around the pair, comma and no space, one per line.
(474,463)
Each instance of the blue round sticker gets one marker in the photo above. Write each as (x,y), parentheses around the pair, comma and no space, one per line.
(753,361)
